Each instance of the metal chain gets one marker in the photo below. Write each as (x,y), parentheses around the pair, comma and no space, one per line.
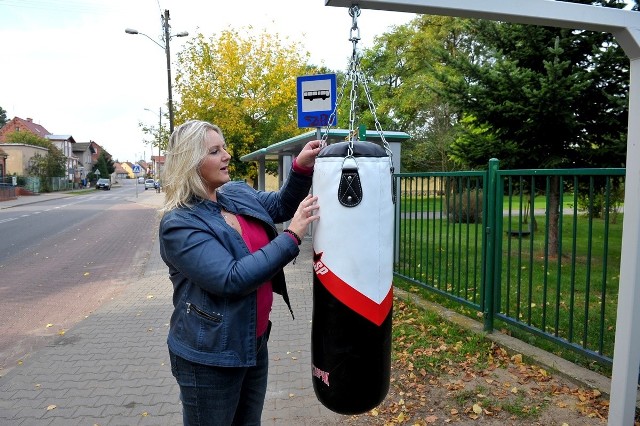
(354,37)
(355,75)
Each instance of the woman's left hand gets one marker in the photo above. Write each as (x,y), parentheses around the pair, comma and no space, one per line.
(308,154)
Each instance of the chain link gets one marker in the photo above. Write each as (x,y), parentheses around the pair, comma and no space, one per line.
(356,76)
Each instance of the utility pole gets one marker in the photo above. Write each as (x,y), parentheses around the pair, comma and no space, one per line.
(165,22)
(157,168)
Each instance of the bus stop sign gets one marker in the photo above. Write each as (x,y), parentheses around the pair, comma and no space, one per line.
(316,100)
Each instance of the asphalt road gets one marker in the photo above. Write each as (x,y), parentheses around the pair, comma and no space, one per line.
(61,259)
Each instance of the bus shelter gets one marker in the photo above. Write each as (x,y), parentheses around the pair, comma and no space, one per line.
(283,152)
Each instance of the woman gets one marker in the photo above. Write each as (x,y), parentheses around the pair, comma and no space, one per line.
(225,260)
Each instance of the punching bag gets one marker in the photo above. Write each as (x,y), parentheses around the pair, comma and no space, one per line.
(352,282)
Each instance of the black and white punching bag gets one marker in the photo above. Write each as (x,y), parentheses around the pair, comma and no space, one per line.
(352,283)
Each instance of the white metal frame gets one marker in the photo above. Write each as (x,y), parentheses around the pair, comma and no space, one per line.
(625,27)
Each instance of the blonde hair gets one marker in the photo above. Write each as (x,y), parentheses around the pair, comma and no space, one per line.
(181,178)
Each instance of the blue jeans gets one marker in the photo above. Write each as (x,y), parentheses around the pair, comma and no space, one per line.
(222,396)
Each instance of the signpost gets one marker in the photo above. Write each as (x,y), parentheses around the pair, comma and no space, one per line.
(136,172)
(316,100)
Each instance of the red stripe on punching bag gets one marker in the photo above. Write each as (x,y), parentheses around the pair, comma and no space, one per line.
(352,298)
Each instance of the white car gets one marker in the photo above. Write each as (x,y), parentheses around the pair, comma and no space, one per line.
(140,179)
(149,183)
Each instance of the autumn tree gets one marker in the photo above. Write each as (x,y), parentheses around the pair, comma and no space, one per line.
(244,83)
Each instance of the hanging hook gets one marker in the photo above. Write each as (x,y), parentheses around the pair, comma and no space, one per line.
(354,35)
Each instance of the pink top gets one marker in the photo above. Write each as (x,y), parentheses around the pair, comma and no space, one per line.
(256,237)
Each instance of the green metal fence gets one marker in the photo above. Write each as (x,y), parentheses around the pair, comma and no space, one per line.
(537,249)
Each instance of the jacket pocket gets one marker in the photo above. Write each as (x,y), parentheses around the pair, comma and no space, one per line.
(199,329)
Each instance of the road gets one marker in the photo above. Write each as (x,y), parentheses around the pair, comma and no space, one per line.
(61,259)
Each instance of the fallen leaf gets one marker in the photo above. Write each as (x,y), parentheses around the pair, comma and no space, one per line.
(150,296)
(477,409)
(431,419)
(51,407)
(517,358)
(514,390)
(86,274)
(61,332)
(145,414)
(49,325)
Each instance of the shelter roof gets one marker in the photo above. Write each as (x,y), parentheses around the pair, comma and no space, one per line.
(292,146)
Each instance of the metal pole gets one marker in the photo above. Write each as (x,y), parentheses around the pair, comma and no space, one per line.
(626,352)
(159,142)
(165,22)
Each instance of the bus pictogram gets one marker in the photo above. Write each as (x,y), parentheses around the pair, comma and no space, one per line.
(316,94)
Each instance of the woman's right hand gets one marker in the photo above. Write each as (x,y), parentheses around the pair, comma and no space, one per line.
(306,213)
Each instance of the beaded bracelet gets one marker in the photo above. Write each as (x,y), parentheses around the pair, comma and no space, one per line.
(290,232)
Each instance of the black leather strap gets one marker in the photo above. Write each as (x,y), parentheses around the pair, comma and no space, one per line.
(350,188)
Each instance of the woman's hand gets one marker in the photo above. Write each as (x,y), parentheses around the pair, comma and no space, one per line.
(304,215)
(308,154)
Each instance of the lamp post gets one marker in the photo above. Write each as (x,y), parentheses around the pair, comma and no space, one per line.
(157,165)
(167,37)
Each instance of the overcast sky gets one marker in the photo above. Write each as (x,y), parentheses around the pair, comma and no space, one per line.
(69,65)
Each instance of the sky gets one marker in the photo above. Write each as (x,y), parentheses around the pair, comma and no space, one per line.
(70,66)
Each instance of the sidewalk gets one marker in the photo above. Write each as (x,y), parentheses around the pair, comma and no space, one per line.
(113,367)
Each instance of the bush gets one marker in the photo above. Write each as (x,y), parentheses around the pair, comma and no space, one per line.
(465,207)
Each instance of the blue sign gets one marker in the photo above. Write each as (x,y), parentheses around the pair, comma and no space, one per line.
(136,168)
(316,100)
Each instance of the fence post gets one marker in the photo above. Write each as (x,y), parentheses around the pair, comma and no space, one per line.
(489,218)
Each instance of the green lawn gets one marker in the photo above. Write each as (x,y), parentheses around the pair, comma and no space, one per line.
(560,295)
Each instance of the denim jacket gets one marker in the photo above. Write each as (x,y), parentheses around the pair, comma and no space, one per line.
(215,276)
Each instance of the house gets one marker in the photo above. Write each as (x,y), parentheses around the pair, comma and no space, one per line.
(120,172)
(158,164)
(97,150)
(18,157)
(18,124)
(3,164)
(65,144)
(146,167)
(84,152)
(127,166)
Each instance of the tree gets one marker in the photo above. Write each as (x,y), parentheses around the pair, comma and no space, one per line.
(104,164)
(403,65)
(3,117)
(244,84)
(159,135)
(540,97)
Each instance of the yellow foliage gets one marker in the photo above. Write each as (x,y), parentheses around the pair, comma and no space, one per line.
(245,83)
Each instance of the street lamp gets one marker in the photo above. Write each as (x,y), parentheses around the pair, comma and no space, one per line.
(167,38)
(157,165)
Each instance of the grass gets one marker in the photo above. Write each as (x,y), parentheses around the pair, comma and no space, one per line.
(572,297)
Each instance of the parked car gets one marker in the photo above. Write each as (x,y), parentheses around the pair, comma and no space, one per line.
(140,179)
(104,184)
(149,183)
